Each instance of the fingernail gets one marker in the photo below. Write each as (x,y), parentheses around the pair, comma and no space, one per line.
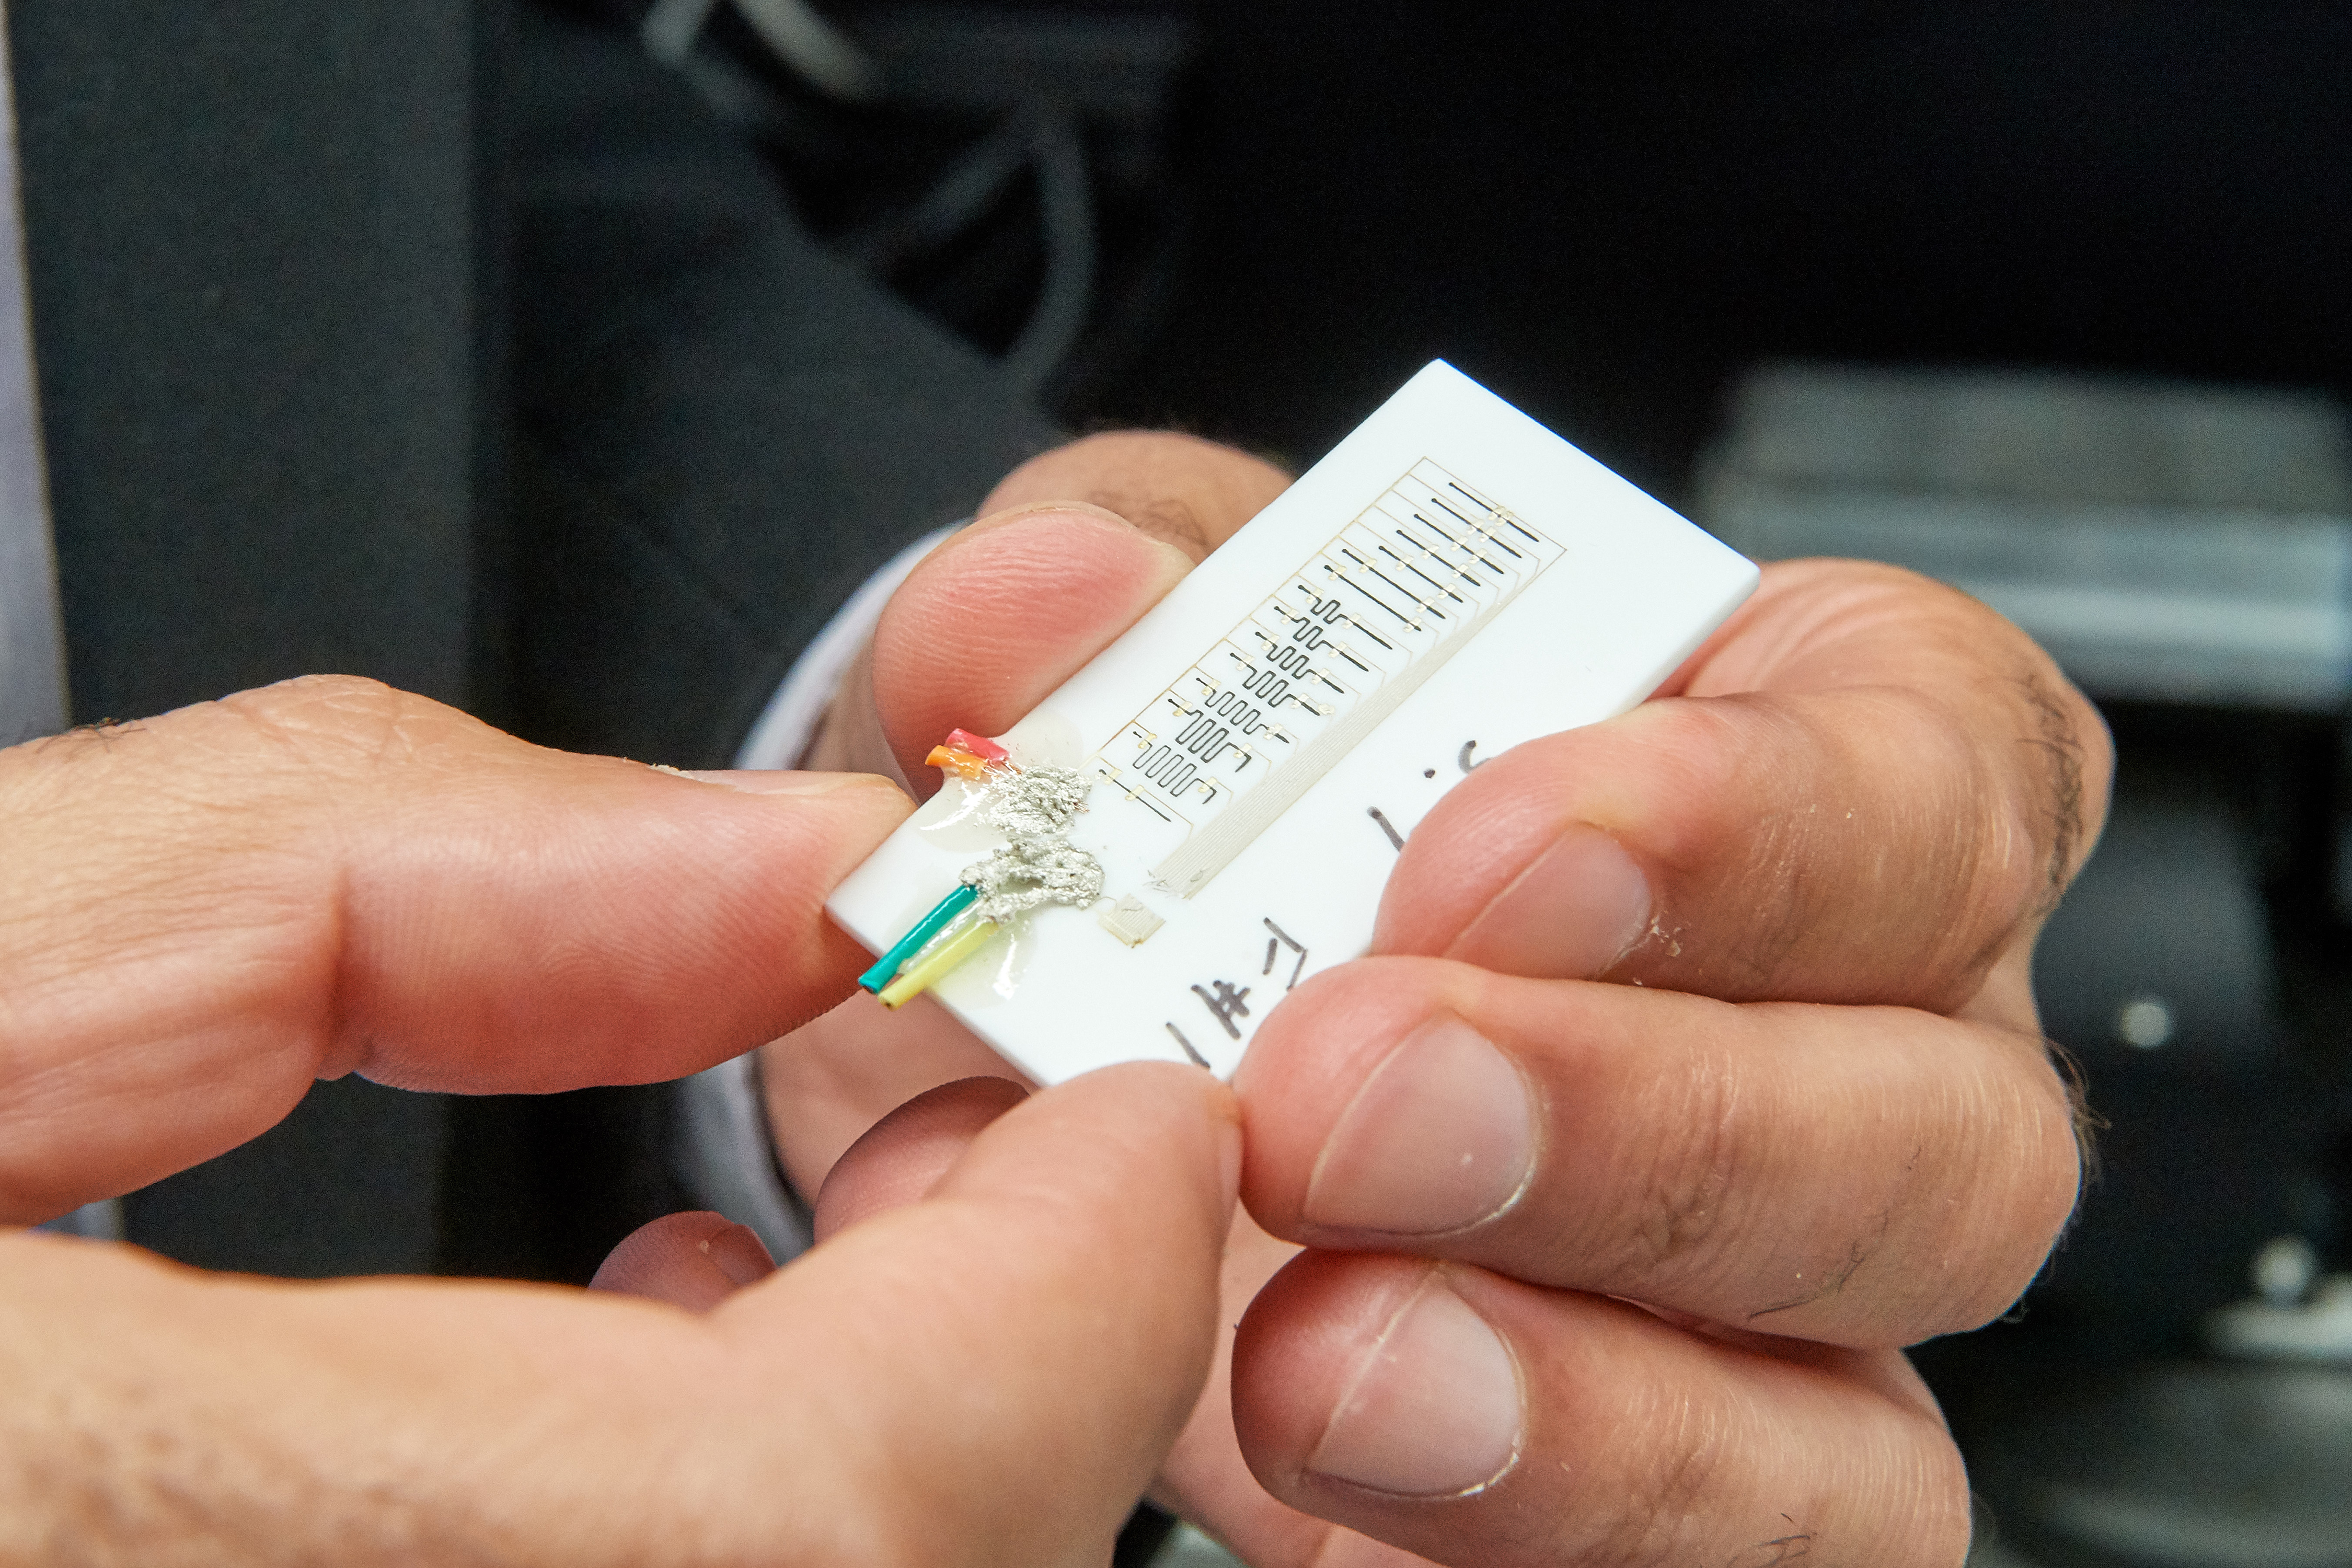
(1170,564)
(738,1254)
(1441,1135)
(1434,1409)
(752,781)
(1175,564)
(1082,511)
(1570,916)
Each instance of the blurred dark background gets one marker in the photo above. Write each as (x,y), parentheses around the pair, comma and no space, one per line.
(1254,221)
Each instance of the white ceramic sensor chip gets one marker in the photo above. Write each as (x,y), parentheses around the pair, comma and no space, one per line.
(1452,580)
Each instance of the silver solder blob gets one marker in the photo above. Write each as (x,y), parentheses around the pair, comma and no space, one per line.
(1034,810)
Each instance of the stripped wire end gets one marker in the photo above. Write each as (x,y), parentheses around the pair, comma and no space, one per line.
(1033,808)
(980,761)
(936,965)
(971,757)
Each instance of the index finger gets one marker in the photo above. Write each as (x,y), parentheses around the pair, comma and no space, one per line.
(200,913)
(1865,789)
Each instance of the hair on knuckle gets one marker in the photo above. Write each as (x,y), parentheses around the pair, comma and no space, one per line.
(2059,783)
(1680,1214)
(1653,1519)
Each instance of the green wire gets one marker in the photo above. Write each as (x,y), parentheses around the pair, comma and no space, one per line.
(930,925)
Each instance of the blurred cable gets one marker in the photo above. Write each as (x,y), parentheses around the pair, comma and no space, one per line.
(1044,86)
(961,197)
(815,47)
(817,51)
(1045,139)
(1066,296)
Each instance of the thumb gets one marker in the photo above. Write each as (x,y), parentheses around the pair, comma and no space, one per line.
(995,1371)
(996,617)
(1070,551)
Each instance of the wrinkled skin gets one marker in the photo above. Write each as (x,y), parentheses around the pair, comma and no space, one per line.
(1695,1072)
(201,912)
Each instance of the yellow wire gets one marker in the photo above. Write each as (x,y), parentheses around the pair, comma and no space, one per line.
(918,977)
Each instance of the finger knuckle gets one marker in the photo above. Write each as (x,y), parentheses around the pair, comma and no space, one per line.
(304,712)
(2063,762)
(339,724)
(2024,1165)
(1661,1503)
(1981,864)
(1680,1217)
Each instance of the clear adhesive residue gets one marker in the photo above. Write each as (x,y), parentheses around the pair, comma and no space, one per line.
(951,819)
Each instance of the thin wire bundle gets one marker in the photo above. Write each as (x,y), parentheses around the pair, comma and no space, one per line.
(1033,808)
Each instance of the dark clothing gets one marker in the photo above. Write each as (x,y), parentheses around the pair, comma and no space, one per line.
(454,346)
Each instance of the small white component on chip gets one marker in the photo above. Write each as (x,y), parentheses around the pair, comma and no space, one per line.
(1130,920)
(1452,580)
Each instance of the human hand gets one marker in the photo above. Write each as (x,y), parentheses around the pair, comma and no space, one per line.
(983,629)
(1809,1120)
(200,912)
